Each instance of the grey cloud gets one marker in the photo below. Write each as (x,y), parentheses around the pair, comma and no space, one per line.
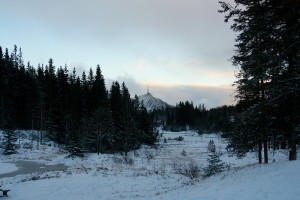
(133,87)
(208,95)
(173,29)
(192,25)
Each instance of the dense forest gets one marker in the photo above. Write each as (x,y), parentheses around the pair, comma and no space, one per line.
(186,116)
(267,54)
(82,114)
(78,112)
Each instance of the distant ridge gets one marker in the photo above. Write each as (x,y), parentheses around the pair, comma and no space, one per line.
(152,103)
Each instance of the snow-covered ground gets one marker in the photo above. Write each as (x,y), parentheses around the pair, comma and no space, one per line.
(149,174)
(7,167)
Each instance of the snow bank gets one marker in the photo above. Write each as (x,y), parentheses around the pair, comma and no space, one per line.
(275,181)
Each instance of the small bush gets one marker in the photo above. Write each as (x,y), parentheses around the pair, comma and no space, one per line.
(179,138)
(27,145)
(211,147)
(186,167)
(129,161)
(149,155)
(215,165)
(183,153)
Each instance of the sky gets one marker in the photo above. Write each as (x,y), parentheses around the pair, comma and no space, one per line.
(180,49)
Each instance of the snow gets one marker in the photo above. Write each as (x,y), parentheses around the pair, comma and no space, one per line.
(274,181)
(151,102)
(7,167)
(150,175)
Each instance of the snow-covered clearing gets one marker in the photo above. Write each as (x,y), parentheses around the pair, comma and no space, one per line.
(149,174)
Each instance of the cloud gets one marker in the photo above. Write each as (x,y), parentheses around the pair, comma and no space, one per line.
(133,86)
(184,72)
(210,96)
(183,44)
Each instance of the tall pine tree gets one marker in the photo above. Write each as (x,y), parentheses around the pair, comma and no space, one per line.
(268,56)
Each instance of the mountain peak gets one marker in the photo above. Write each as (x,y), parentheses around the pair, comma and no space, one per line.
(151,102)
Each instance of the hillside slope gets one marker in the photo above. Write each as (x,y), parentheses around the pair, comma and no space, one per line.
(274,181)
(151,102)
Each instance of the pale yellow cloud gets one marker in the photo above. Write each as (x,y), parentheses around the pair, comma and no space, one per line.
(211,96)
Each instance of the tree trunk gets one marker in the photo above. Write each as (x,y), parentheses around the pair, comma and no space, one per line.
(2,102)
(293,73)
(293,137)
(41,121)
(260,151)
(264,135)
(266,157)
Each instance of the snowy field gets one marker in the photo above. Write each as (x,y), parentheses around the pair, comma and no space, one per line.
(149,173)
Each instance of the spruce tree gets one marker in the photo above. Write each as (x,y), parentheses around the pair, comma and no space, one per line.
(148,134)
(98,131)
(268,56)
(74,138)
(116,108)
(215,165)
(9,141)
(131,131)
(2,78)
(85,94)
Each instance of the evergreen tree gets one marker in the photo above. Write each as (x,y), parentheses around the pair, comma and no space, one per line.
(131,131)
(41,107)
(31,99)
(148,135)
(85,94)
(116,107)
(70,110)
(2,78)
(98,131)
(268,57)
(74,138)
(9,140)
(99,90)
(215,165)
(51,103)
(74,146)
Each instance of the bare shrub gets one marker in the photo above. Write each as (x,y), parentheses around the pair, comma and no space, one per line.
(82,168)
(183,153)
(162,169)
(128,160)
(179,138)
(125,159)
(136,153)
(157,150)
(159,168)
(187,167)
(100,167)
(27,145)
(149,155)
(117,160)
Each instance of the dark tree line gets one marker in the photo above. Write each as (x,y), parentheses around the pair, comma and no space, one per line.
(76,111)
(185,115)
(268,86)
